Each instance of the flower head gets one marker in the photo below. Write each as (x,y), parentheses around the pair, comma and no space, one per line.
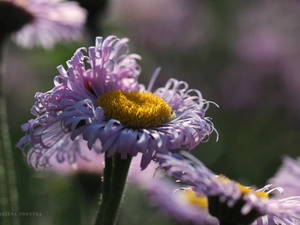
(41,22)
(229,201)
(99,98)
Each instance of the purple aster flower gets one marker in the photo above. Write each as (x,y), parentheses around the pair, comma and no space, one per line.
(99,98)
(229,201)
(41,22)
(288,177)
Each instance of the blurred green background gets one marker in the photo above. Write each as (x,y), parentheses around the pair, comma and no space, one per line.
(242,55)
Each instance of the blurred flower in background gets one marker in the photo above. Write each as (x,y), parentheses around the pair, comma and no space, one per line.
(229,201)
(180,207)
(184,207)
(263,40)
(161,25)
(42,22)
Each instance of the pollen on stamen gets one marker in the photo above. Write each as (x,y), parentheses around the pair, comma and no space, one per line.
(136,109)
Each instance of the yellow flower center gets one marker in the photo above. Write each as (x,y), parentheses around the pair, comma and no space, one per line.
(136,109)
(200,202)
(245,190)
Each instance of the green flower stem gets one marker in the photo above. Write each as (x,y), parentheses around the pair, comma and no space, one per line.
(8,186)
(115,176)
